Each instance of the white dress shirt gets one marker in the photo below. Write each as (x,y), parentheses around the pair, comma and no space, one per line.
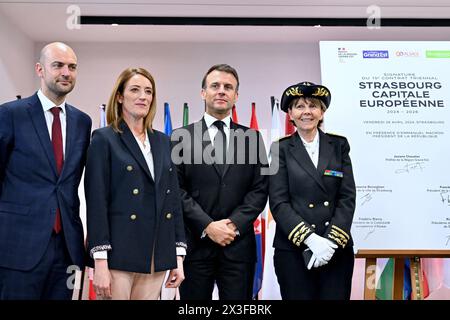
(312,148)
(146,150)
(212,129)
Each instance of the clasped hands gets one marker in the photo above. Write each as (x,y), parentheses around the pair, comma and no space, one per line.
(322,249)
(221,232)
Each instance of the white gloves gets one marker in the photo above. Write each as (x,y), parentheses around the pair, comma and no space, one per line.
(323,249)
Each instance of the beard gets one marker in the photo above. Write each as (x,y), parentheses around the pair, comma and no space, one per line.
(60,90)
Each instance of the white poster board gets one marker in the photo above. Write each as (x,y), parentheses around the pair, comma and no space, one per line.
(392,101)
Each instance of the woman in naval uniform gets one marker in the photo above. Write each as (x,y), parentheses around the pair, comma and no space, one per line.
(312,199)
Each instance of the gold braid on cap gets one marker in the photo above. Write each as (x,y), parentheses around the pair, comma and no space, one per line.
(321,92)
(294,92)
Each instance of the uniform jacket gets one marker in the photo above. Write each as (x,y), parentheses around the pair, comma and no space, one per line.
(130,213)
(30,188)
(304,199)
(239,194)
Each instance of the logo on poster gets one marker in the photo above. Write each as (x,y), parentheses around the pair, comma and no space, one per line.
(375,54)
(407,54)
(344,54)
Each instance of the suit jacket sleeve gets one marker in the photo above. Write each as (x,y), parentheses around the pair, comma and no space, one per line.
(6,141)
(255,200)
(340,225)
(97,181)
(290,222)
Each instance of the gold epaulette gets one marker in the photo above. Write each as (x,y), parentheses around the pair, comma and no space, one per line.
(339,236)
(299,233)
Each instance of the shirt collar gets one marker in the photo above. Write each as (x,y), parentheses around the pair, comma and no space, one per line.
(47,104)
(315,141)
(209,120)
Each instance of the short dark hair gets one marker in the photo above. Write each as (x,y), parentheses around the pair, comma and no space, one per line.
(223,68)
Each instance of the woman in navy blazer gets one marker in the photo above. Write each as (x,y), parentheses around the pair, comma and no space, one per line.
(312,199)
(134,218)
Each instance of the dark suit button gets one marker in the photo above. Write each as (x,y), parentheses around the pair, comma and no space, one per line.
(133,217)
(169,216)
(129,168)
(223,185)
(135,191)
(168,191)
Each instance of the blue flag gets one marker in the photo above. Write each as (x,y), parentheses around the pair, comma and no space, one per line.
(102,116)
(167,120)
(407,288)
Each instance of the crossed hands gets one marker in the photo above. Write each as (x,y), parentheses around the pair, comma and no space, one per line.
(322,248)
(221,232)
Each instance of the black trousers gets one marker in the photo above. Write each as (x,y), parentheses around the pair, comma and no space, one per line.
(330,282)
(48,280)
(234,279)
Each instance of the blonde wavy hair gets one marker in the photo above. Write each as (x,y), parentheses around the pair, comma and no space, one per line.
(114,112)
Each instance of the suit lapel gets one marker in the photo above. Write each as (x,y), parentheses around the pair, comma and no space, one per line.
(157,154)
(299,153)
(203,133)
(325,152)
(70,135)
(38,119)
(231,152)
(131,144)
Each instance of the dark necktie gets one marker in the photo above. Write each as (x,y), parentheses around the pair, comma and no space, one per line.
(220,145)
(57,143)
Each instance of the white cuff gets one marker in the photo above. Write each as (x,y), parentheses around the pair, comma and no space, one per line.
(101,255)
(181,251)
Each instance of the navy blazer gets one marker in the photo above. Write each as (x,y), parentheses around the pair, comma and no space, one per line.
(304,199)
(30,188)
(130,213)
(239,193)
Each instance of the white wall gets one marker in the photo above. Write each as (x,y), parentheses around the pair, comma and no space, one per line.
(17,59)
(264,69)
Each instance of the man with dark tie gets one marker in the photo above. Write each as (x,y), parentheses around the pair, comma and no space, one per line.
(219,167)
(43,143)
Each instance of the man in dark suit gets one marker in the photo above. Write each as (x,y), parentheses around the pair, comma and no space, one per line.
(223,191)
(43,143)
